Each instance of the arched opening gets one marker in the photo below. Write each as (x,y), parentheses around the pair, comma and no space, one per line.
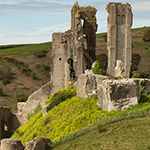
(119,22)
(71,69)
(123,19)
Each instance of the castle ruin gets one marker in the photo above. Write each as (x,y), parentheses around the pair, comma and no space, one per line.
(119,39)
(68,50)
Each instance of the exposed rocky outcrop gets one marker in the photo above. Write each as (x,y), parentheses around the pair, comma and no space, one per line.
(37,144)
(11,144)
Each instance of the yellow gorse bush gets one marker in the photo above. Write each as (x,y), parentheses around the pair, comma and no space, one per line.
(8,57)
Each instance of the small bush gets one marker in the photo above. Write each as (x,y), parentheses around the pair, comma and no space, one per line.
(1,92)
(21,98)
(6,81)
(5,73)
(103,61)
(59,97)
(146,36)
(144,98)
(8,58)
(135,61)
(44,68)
(140,75)
(119,77)
(40,54)
(99,127)
(97,69)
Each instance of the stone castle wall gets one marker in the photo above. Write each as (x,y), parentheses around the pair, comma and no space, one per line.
(69,46)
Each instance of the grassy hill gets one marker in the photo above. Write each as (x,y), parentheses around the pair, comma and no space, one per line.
(78,116)
(133,134)
(72,123)
(18,64)
(21,78)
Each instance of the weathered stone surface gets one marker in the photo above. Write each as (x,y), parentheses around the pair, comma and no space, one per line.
(37,144)
(87,83)
(5,122)
(11,144)
(38,97)
(119,39)
(117,94)
(70,45)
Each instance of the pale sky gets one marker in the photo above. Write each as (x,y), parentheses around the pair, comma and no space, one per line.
(34,21)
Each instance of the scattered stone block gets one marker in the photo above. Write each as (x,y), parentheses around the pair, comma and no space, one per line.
(37,144)
(11,144)
(117,94)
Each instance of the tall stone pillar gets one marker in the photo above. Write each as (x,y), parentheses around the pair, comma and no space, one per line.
(119,39)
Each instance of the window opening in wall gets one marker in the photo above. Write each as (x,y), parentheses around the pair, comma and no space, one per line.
(59,59)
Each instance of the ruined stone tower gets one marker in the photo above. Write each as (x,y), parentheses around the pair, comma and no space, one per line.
(69,47)
(119,39)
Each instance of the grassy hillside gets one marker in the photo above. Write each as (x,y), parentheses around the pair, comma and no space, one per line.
(73,117)
(133,134)
(21,83)
(16,71)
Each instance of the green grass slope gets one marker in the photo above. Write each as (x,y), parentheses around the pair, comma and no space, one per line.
(133,134)
(72,118)
(16,71)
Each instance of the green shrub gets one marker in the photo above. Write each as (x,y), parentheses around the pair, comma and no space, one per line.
(1,92)
(136,75)
(119,77)
(21,97)
(144,98)
(5,73)
(40,54)
(6,81)
(99,127)
(44,68)
(146,36)
(58,98)
(140,75)
(135,61)
(103,60)
(97,69)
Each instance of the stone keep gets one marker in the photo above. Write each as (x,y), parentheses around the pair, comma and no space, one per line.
(119,39)
(70,46)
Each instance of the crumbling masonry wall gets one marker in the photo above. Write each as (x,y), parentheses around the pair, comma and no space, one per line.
(119,39)
(5,122)
(69,45)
